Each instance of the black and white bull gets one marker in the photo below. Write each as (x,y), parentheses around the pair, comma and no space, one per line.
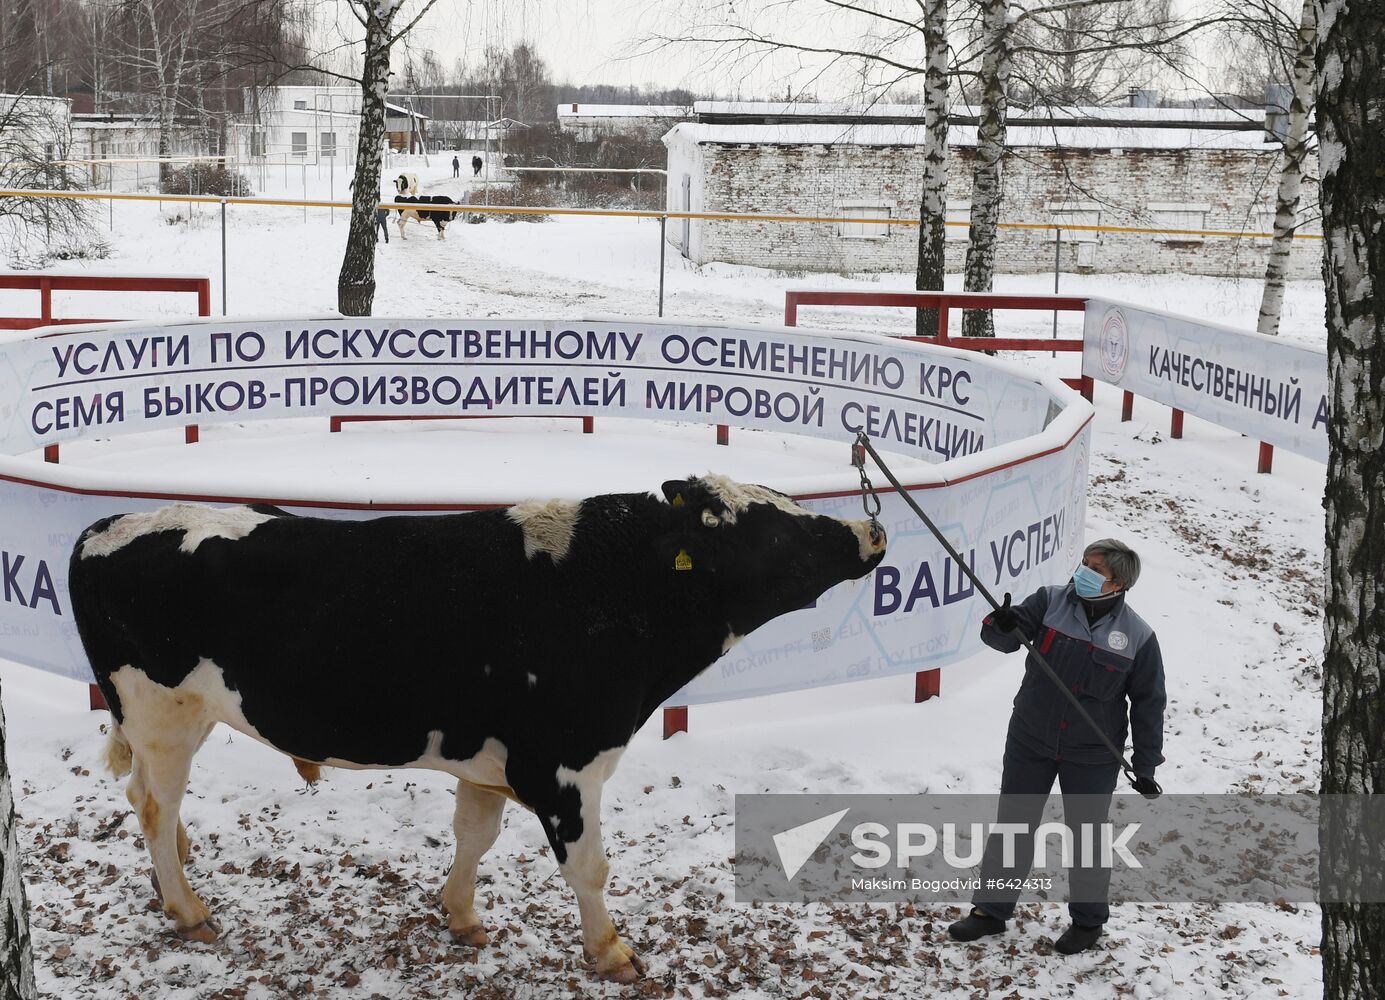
(516,649)
(439,219)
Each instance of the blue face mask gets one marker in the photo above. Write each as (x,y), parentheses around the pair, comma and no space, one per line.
(1088,582)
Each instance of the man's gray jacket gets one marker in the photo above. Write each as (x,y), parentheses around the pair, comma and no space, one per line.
(1112,660)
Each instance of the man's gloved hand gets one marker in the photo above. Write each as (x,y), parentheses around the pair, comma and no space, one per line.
(1004,617)
(1147,787)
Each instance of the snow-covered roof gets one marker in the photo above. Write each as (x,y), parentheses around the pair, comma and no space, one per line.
(33,97)
(403,111)
(119,124)
(571,110)
(1064,136)
(1158,117)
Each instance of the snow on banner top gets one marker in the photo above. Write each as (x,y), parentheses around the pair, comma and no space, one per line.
(933,403)
(1266,387)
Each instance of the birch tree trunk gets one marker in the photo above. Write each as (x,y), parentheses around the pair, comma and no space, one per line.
(1351,92)
(1291,174)
(987,186)
(356,280)
(932,263)
(16,954)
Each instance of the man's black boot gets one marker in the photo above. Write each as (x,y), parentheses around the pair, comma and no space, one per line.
(1076,939)
(977,924)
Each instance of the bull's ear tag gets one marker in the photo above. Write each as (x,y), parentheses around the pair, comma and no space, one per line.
(682,560)
(678,502)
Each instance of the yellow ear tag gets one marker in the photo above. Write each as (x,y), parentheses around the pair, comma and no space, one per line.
(682,560)
(678,500)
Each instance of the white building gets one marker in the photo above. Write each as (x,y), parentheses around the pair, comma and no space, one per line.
(120,152)
(33,130)
(1197,170)
(299,124)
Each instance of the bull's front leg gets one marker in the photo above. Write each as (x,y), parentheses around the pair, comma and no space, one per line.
(573,826)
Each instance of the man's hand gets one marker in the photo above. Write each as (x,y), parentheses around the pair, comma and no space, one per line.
(1004,617)
(1147,786)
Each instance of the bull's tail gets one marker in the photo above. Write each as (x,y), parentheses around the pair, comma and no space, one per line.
(118,759)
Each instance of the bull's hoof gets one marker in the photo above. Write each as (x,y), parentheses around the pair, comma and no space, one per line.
(621,968)
(619,963)
(473,937)
(206,932)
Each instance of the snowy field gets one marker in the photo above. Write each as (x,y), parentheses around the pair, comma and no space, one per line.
(333,891)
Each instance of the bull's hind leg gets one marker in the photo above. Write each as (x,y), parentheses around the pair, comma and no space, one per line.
(477,824)
(165,726)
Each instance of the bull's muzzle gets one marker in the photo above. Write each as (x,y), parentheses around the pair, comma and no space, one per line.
(872,541)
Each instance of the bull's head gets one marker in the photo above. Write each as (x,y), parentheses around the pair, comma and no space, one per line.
(766,554)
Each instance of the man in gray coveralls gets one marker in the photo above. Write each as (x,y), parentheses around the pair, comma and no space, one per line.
(1109,658)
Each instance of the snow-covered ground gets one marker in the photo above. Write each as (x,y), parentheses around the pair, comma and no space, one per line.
(333,891)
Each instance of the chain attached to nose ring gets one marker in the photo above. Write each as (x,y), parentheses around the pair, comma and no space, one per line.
(870,500)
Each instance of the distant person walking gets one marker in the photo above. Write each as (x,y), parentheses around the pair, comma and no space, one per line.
(456,167)
(476,166)
(382,218)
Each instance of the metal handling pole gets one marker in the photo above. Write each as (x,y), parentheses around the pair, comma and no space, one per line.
(863,442)
(663,220)
(223,256)
(1057,260)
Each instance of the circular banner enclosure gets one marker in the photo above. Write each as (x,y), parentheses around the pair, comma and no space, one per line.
(1005,452)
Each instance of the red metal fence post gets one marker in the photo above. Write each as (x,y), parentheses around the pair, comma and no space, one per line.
(96,699)
(1176,424)
(1127,406)
(675,720)
(1266,463)
(204,308)
(927,684)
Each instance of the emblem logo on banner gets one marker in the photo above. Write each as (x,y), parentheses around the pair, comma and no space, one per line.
(1078,484)
(1115,344)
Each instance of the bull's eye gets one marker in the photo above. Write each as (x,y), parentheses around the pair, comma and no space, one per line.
(710,519)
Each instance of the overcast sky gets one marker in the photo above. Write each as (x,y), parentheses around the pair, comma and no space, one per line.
(594,41)
(582,41)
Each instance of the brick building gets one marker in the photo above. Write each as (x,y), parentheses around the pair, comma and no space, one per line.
(1162,168)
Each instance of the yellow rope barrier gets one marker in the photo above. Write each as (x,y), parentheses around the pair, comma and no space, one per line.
(622,213)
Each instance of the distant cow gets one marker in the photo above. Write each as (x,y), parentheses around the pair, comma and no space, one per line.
(518,650)
(406,184)
(438,219)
